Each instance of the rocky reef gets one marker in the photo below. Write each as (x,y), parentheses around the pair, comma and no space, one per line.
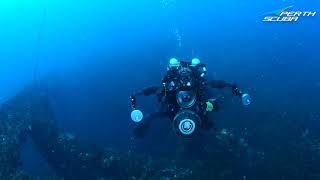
(29,114)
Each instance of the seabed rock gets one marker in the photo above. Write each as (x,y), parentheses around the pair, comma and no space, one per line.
(30,113)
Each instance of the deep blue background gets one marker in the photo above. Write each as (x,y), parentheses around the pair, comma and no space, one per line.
(95,53)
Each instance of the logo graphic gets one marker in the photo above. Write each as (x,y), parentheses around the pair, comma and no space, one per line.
(287,15)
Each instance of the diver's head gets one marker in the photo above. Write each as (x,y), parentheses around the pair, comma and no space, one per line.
(174,62)
(185,76)
(195,62)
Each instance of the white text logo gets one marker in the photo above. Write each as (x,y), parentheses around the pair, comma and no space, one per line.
(285,15)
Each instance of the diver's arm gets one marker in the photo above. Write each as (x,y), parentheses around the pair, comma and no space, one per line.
(145,92)
(223,84)
(170,74)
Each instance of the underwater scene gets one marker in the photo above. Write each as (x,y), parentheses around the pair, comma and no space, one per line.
(159,90)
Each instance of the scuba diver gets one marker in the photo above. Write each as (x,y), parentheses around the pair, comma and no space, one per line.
(183,94)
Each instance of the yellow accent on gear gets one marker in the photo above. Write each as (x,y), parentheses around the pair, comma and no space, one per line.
(210,106)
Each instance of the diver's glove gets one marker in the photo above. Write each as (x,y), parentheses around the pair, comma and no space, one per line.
(236,91)
(133,101)
(246,99)
(136,115)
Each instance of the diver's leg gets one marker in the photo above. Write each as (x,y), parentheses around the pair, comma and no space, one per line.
(141,129)
(207,123)
(212,105)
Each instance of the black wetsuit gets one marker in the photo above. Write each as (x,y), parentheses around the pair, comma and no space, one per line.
(173,82)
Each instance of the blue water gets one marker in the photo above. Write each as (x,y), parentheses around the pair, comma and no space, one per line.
(94,54)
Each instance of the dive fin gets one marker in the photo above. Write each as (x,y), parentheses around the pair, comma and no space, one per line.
(142,128)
